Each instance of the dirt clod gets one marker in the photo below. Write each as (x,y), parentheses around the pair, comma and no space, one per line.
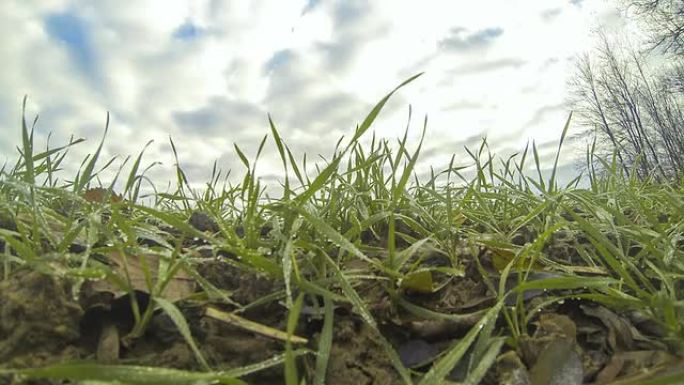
(37,314)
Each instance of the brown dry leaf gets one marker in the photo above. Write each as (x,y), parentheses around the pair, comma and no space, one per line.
(501,257)
(443,328)
(501,253)
(420,281)
(99,194)
(131,268)
(511,371)
(611,370)
(557,324)
(558,364)
(550,327)
(638,367)
(622,335)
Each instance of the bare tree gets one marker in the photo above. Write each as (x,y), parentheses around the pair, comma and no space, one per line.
(664,19)
(633,111)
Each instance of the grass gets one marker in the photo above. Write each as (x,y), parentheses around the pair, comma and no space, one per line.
(364,220)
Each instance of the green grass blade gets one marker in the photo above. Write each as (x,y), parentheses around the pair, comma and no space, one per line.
(366,315)
(445,364)
(399,189)
(25,251)
(242,156)
(324,342)
(324,228)
(134,170)
(182,325)
(485,362)
(87,174)
(552,181)
(283,157)
(291,377)
(365,125)
(259,366)
(541,184)
(127,374)
(27,144)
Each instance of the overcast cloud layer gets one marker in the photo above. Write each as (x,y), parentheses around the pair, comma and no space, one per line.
(208,72)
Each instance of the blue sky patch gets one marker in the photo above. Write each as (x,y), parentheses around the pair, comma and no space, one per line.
(278,60)
(187,31)
(348,13)
(310,5)
(72,31)
(460,40)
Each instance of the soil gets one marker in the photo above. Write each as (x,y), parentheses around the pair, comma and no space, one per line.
(42,322)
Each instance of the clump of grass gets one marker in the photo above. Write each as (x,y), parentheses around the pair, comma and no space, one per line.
(364,219)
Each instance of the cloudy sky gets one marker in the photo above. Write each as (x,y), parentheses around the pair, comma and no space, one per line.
(208,72)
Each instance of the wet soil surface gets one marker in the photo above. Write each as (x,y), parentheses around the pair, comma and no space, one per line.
(47,319)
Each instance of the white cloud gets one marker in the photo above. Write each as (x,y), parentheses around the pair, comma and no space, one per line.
(208,72)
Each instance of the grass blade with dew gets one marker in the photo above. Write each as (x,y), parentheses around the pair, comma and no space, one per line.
(485,361)
(365,125)
(283,157)
(445,364)
(133,176)
(182,325)
(327,172)
(266,364)
(398,192)
(127,374)
(325,342)
(27,144)
(87,174)
(337,238)
(366,315)
(552,180)
(291,376)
